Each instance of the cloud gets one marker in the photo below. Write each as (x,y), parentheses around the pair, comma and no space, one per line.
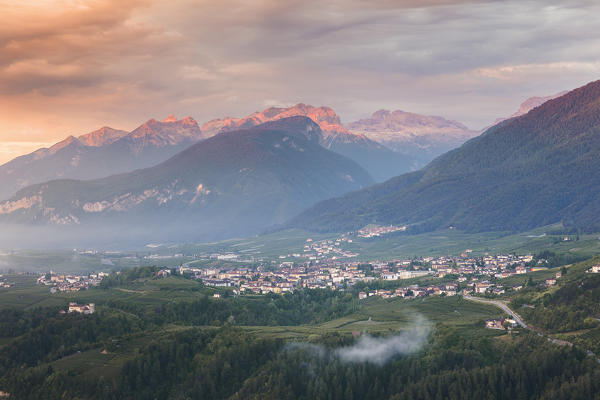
(375,350)
(70,66)
(58,46)
(379,350)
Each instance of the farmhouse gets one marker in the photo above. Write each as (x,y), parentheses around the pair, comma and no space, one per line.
(494,324)
(595,269)
(163,273)
(82,308)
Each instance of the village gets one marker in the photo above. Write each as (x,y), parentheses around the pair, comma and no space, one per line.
(70,283)
(4,283)
(464,274)
(325,265)
(472,274)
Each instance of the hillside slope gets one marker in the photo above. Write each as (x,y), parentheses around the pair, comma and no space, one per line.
(97,154)
(530,171)
(381,162)
(235,183)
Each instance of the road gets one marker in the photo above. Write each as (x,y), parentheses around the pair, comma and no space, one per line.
(501,305)
(519,321)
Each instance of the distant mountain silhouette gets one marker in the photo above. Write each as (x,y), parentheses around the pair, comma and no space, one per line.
(100,153)
(235,183)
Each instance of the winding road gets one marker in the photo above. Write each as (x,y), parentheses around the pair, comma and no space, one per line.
(519,321)
(501,305)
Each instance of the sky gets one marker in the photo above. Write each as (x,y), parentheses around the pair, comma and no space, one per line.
(68,67)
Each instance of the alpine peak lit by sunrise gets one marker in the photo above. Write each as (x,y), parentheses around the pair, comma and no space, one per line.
(69,67)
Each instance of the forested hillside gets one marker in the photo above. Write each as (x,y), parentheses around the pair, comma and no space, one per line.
(167,338)
(534,170)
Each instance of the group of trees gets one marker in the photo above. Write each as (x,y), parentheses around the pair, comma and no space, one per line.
(299,307)
(551,259)
(128,276)
(208,354)
(574,306)
(528,368)
(228,363)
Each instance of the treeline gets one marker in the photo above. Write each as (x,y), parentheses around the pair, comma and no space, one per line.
(300,307)
(127,276)
(231,364)
(574,306)
(527,368)
(196,363)
(551,259)
(61,335)
(14,322)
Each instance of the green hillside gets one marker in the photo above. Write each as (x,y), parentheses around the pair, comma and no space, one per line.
(169,339)
(534,170)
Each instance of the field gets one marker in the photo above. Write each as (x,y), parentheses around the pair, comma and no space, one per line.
(280,246)
(379,316)
(375,316)
(26,294)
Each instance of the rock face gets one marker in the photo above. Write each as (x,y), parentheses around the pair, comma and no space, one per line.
(533,170)
(381,162)
(101,137)
(328,120)
(235,183)
(100,153)
(417,136)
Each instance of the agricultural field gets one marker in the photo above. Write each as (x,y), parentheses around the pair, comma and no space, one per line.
(376,316)
(401,245)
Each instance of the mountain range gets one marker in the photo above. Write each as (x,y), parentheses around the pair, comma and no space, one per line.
(380,161)
(234,183)
(108,151)
(417,136)
(532,170)
(103,152)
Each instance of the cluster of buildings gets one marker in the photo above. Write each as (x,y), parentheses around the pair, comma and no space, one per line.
(413,291)
(70,283)
(501,323)
(325,249)
(595,269)
(4,283)
(473,274)
(81,308)
(287,278)
(376,230)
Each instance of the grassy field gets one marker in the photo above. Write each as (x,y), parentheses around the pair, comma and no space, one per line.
(26,294)
(376,316)
(106,360)
(401,245)
(283,244)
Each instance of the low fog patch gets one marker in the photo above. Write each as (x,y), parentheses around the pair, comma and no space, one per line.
(378,350)
(371,349)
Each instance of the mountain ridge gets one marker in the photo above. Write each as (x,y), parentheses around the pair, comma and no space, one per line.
(529,104)
(529,171)
(420,136)
(381,162)
(236,182)
(100,153)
